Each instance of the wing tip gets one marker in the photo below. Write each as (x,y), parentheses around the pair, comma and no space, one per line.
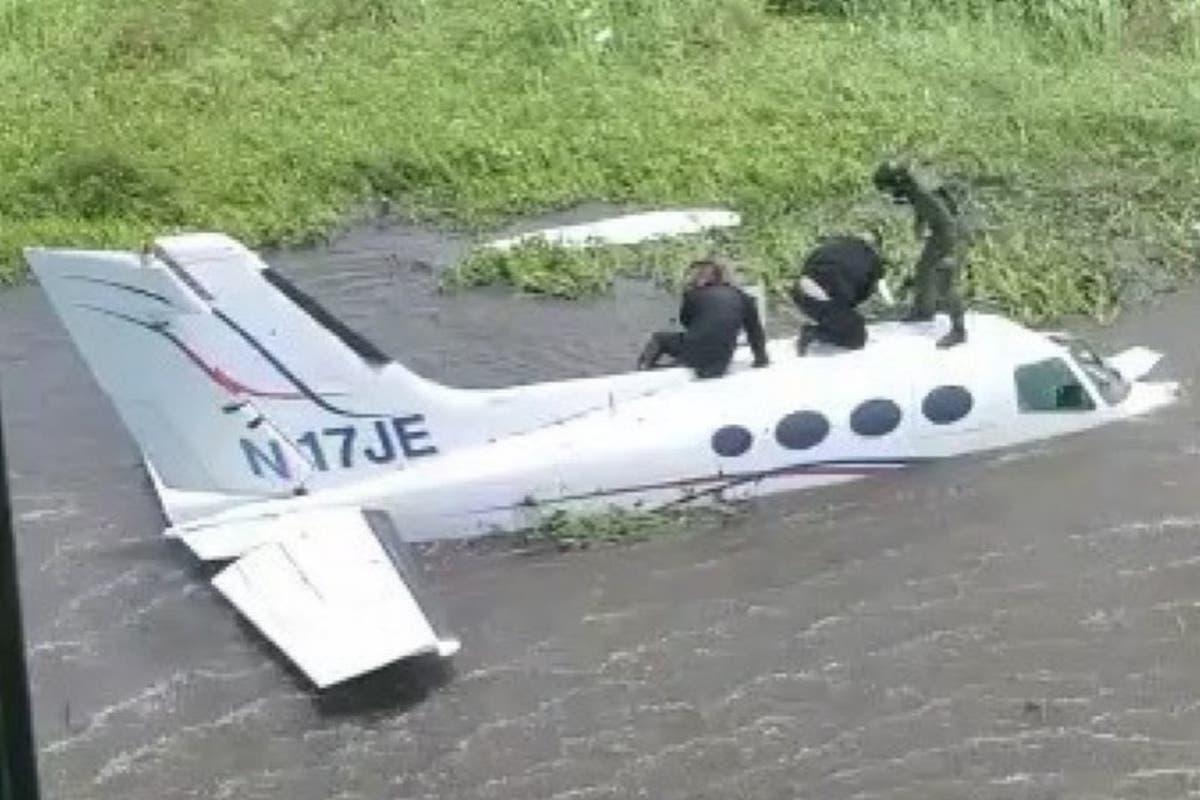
(447,648)
(323,680)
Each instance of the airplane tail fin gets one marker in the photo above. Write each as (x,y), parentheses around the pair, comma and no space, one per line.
(233,383)
(237,386)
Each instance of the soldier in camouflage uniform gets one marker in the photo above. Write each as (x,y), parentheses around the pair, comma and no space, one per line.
(940,262)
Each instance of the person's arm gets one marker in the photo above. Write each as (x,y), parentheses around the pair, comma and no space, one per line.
(686,308)
(752,321)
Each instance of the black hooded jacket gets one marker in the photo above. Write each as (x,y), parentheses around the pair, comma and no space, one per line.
(713,316)
(847,267)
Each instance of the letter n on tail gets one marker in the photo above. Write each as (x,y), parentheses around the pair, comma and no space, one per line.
(275,460)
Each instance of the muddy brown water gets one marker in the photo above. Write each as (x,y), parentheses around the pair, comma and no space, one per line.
(1020,625)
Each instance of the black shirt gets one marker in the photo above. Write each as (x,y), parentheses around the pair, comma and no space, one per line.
(847,267)
(713,317)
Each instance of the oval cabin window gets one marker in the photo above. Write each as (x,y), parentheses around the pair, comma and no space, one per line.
(875,418)
(731,441)
(801,430)
(947,404)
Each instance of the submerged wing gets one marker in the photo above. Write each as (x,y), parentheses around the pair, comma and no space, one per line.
(629,228)
(1135,362)
(331,588)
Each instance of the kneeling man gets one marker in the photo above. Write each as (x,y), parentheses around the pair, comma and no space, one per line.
(838,275)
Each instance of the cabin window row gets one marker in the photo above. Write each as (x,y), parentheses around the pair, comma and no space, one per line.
(802,430)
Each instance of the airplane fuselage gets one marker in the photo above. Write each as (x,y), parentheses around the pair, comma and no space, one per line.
(802,422)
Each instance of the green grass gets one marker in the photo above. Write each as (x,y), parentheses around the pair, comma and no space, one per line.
(278,120)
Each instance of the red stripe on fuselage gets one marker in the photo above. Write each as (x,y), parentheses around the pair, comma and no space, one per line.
(229,383)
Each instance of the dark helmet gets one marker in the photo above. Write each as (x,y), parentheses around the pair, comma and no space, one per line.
(894,179)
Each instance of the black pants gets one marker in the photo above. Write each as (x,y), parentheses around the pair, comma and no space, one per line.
(833,322)
(935,283)
(673,344)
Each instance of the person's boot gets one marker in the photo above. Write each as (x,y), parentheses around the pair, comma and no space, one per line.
(649,355)
(957,335)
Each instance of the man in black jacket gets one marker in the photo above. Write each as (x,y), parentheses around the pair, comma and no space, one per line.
(713,313)
(838,275)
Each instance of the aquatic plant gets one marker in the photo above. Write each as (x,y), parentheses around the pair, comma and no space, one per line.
(277,121)
(578,529)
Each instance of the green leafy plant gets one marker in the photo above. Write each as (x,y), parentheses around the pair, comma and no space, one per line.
(276,121)
(578,529)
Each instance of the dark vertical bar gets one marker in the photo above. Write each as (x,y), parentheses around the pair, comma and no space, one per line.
(18,761)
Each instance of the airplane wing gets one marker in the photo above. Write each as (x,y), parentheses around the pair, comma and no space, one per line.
(333,589)
(1135,362)
(629,228)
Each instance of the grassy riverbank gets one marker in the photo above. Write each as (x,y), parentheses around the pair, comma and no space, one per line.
(274,120)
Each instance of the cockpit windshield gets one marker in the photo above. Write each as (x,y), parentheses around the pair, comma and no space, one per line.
(1108,381)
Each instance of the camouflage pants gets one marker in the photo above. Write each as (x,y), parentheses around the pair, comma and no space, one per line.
(935,285)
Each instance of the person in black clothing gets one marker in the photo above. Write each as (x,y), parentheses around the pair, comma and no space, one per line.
(837,276)
(713,313)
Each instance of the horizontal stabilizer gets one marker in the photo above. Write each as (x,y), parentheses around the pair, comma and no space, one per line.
(1135,363)
(181,505)
(335,596)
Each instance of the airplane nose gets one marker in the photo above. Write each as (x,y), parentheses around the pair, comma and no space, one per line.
(1148,396)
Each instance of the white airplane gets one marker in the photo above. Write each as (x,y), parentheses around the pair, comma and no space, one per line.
(279,440)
